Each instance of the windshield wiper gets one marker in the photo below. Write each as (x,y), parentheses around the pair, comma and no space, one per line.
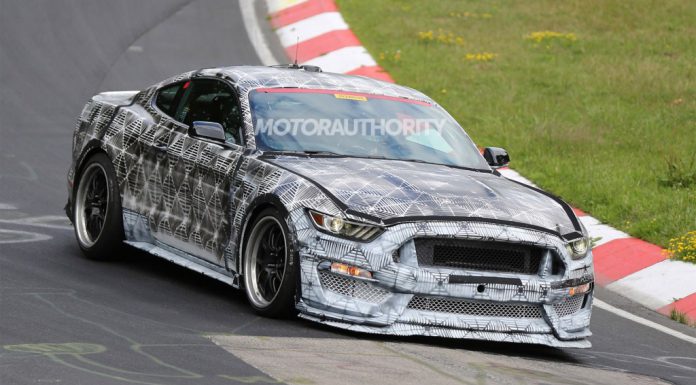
(303,153)
(316,152)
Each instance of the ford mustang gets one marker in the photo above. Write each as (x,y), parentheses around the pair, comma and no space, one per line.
(352,202)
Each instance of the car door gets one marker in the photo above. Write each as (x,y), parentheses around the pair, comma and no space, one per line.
(196,188)
(153,174)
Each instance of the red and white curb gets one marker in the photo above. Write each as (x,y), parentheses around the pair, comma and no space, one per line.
(314,32)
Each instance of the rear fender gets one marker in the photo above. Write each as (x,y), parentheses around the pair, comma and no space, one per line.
(89,149)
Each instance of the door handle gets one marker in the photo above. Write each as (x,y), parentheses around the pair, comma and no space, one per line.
(160,147)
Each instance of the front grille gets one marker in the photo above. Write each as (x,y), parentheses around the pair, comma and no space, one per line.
(482,309)
(478,255)
(569,305)
(352,287)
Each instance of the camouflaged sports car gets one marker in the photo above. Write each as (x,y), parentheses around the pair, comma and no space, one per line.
(353,202)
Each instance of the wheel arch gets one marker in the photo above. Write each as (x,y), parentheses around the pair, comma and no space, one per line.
(109,240)
(92,148)
(258,205)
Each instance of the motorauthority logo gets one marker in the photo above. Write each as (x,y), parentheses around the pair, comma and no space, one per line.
(347,127)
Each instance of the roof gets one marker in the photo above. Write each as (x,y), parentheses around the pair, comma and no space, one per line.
(248,78)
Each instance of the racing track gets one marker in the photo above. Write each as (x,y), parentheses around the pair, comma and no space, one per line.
(141,320)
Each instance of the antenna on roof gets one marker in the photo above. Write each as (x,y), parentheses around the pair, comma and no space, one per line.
(297,48)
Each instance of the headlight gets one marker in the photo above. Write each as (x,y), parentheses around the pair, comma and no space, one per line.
(578,248)
(344,228)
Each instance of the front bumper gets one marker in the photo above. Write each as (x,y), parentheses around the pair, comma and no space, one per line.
(404,298)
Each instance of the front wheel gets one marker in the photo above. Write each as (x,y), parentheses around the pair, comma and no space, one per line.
(97,209)
(270,268)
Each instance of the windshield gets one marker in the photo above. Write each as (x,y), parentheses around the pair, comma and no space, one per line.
(361,125)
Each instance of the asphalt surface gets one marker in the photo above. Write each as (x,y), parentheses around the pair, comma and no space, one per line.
(146,320)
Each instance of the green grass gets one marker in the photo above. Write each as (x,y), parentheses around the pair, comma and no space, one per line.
(680,317)
(608,121)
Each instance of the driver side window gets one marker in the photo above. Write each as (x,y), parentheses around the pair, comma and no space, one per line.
(211,100)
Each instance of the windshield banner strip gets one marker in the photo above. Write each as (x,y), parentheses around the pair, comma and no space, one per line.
(344,94)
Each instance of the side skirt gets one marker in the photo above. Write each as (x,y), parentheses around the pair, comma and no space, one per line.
(188,261)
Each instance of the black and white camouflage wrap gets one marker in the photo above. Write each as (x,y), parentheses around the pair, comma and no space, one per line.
(194,198)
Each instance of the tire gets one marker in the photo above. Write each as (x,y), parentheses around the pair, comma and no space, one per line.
(267,249)
(97,209)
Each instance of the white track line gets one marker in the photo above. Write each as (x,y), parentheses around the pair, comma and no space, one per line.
(629,316)
(254,32)
(48,221)
(17,236)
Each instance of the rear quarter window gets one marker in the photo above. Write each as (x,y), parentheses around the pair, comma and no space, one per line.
(166,98)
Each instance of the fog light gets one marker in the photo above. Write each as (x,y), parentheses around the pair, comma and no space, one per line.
(354,271)
(582,289)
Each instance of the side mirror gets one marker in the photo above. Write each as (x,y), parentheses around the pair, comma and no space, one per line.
(496,157)
(208,130)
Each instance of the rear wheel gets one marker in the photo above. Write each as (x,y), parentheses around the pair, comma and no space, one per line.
(270,270)
(97,209)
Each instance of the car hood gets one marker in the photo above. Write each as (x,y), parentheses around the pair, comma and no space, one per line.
(400,190)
